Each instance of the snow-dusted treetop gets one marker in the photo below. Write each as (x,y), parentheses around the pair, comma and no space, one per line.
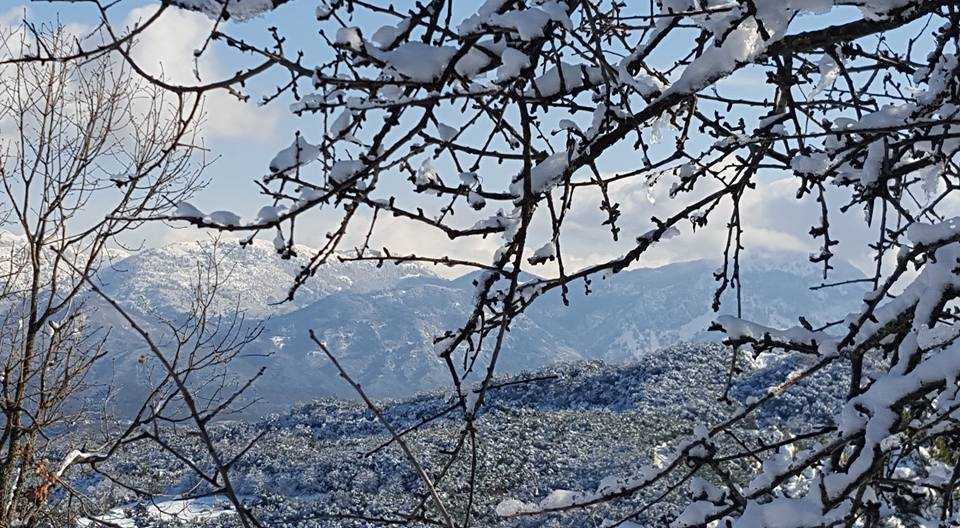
(498,119)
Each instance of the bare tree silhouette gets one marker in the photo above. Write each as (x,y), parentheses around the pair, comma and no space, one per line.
(530,101)
(82,147)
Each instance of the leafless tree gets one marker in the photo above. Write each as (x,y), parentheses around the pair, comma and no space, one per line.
(192,388)
(546,93)
(83,145)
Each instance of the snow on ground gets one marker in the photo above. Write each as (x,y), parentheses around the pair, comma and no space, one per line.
(183,510)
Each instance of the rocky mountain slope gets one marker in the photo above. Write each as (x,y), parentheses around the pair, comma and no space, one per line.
(639,311)
(385,338)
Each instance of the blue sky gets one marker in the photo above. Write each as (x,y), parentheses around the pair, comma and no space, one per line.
(244,137)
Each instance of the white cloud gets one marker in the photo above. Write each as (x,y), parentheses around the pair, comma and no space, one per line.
(166,49)
(187,233)
(772,219)
(13,16)
(404,237)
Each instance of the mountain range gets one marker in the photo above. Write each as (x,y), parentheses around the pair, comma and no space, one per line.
(381,322)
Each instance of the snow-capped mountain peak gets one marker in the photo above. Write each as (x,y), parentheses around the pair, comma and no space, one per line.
(252,276)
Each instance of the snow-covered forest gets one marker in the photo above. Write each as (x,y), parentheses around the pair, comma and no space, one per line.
(513,263)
